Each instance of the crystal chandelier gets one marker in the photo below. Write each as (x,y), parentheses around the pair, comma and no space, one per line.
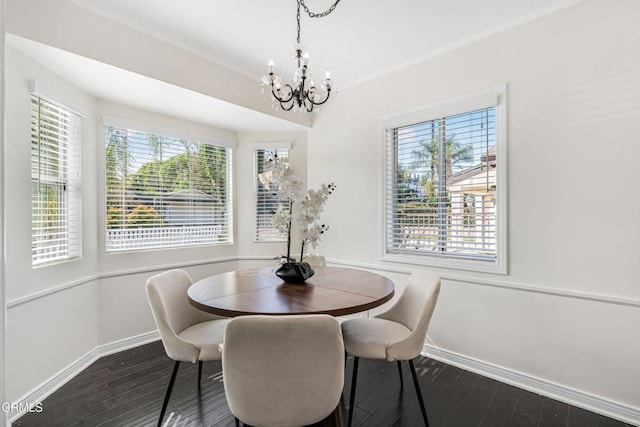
(302,94)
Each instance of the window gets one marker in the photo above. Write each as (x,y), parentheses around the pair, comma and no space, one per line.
(56,206)
(266,193)
(444,188)
(164,191)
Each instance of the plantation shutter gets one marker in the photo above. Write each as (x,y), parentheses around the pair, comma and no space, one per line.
(165,192)
(56,205)
(441,186)
(266,194)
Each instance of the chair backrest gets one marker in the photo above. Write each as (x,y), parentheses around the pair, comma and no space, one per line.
(167,294)
(283,370)
(413,309)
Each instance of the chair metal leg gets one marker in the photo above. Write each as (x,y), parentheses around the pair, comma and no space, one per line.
(237,421)
(168,393)
(333,419)
(342,395)
(199,372)
(400,372)
(352,398)
(417,385)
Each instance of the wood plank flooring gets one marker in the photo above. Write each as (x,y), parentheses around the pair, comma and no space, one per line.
(127,388)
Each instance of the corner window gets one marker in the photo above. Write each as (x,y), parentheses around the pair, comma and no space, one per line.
(56,205)
(444,184)
(163,191)
(266,192)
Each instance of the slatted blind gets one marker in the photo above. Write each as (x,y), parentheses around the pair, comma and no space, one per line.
(165,192)
(441,186)
(56,205)
(266,195)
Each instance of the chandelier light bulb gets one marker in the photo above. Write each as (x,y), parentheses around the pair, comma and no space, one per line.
(327,74)
(271,66)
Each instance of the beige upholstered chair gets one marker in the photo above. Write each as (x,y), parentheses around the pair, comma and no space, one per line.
(188,334)
(283,370)
(397,334)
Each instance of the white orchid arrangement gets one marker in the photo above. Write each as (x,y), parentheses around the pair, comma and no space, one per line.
(302,210)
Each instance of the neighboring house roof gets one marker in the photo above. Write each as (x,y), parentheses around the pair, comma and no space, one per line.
(190,195)
(470,172)
(488,159)
(490,155)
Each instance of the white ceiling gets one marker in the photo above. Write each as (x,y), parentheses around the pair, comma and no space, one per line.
(360,40)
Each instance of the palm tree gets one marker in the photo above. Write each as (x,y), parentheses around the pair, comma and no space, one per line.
(117,155)
(428,156)
(118,167)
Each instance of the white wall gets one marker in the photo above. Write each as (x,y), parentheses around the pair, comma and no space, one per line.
(565,311)
(68,318)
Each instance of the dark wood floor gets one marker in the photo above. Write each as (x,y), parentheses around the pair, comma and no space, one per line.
(127,388)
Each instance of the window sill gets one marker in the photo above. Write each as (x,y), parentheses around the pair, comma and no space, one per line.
(479,266)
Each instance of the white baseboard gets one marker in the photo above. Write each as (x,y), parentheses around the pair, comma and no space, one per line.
(127,343)
(540,386)
(58,380)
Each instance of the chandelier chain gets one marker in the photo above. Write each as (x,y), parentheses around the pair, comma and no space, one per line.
(298,19)
(318,15)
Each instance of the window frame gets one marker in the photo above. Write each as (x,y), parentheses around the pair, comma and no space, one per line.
(145,128)
(494,96)
(69,181)
(255,147)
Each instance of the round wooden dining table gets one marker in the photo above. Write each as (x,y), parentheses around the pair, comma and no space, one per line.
(336,291)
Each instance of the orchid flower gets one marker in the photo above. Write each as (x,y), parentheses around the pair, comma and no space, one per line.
(300,212)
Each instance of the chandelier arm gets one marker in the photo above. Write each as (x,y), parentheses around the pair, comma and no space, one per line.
(287,109)
(283,100)
(308,107)
(321,102)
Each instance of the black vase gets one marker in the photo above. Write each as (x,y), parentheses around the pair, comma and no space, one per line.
(294,272)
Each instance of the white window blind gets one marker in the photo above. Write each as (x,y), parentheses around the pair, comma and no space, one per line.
(165,192)
(56,205)
(266,195)
(441,186)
